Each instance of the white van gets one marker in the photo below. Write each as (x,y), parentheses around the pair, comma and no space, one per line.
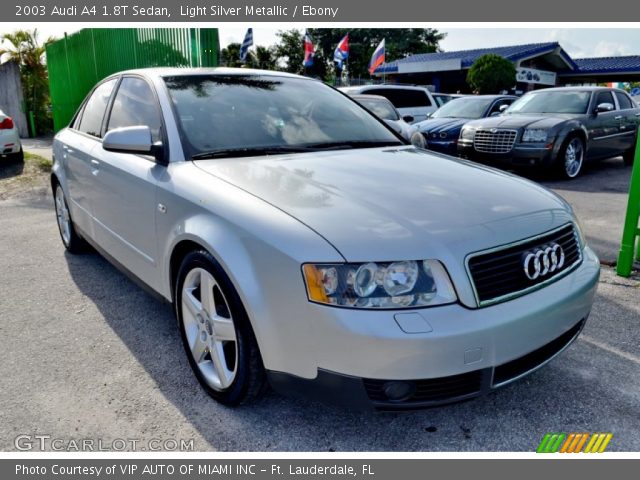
(414,102)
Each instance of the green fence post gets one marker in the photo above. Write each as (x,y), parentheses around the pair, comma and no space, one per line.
(631,231)
(32,124)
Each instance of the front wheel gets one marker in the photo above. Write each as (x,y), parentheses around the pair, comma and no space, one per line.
(571,158)
(216,333)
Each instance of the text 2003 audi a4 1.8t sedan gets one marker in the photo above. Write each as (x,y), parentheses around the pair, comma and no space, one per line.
(305,245)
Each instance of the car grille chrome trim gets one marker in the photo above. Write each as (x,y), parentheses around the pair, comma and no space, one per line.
(495,140)
(497,274)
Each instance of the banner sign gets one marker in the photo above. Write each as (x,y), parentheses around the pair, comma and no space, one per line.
(531,75)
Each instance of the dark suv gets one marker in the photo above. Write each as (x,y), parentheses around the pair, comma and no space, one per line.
(557,128)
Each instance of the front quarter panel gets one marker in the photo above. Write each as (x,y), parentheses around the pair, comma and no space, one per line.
(261,249)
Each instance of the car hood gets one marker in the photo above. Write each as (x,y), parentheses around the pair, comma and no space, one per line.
(397,203)
(520,121)
(438,125)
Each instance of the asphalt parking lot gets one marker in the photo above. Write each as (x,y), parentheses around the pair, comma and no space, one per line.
(84,353)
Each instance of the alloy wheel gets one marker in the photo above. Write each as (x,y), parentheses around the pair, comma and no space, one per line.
(62,215)
(573,157)
(209,329)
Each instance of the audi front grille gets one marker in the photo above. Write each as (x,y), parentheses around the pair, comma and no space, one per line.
(512,270)
(494,140)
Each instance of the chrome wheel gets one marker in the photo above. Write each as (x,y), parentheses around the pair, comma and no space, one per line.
(62,214)
(573,157)
(209,329)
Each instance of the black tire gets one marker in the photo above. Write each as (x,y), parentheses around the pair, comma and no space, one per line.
(563,170)
(629,156)
(74,243)
(18,157)
(250,382)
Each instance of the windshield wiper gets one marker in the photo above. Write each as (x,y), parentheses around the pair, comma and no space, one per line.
(275,150)
(353,144)
(249,152)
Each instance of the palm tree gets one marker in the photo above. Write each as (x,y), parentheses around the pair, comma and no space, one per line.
(22,47)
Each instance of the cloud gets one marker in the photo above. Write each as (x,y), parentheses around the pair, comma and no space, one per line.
(611,49)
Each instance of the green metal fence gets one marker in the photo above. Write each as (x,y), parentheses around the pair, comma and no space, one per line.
(78,61)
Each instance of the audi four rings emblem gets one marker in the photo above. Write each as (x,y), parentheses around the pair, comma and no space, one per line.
(542,261)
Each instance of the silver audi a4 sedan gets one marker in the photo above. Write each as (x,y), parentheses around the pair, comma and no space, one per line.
(305,246)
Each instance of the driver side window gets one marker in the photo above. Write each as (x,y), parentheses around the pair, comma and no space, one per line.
(135,105)
(604,97)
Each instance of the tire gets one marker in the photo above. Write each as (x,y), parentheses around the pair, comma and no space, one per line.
(571,158)
(216,332)
(18,157)
(73,242)
(629,155)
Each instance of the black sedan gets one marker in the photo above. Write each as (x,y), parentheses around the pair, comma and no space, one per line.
(556,128)
(442,129)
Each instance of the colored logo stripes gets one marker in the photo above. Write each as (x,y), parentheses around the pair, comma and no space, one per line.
(574,443)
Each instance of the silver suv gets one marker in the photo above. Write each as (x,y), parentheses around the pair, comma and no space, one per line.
(414,103)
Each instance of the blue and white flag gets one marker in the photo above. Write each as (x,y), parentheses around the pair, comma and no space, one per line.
(246,43)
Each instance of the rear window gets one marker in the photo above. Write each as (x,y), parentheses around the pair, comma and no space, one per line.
(402,98)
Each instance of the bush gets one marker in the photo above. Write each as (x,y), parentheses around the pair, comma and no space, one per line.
(491,73)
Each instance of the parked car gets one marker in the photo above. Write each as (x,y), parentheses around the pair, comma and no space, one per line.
(304,245)
(385,110)
(442,129)
(442,98)
(409,100)
(556,128)
(10,145)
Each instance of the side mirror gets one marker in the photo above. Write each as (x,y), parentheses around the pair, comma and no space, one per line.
(408,118)
(502,108)
(135,140)
(605,107)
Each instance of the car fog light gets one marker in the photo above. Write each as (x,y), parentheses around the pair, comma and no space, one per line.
(398,391)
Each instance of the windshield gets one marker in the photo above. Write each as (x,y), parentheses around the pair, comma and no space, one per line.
(551,102)
(380,106)
(466,107)
(246,113)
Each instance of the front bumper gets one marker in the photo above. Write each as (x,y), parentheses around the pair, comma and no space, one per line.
(449,147)
(461,353)
(521,155)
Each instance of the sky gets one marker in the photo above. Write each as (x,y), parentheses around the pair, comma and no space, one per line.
(578,42)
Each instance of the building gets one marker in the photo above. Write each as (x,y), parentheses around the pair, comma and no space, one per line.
(538,65)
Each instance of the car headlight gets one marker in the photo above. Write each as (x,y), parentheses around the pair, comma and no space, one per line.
(535,135)
(467,133)
(380,285)
(417,140)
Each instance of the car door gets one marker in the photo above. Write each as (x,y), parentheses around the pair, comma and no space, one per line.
(78,143)
(629,118)
(604,127)
(125,196)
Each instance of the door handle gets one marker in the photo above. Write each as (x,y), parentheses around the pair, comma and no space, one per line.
(637,114)
(67,149)
(95,163)
(618,117)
